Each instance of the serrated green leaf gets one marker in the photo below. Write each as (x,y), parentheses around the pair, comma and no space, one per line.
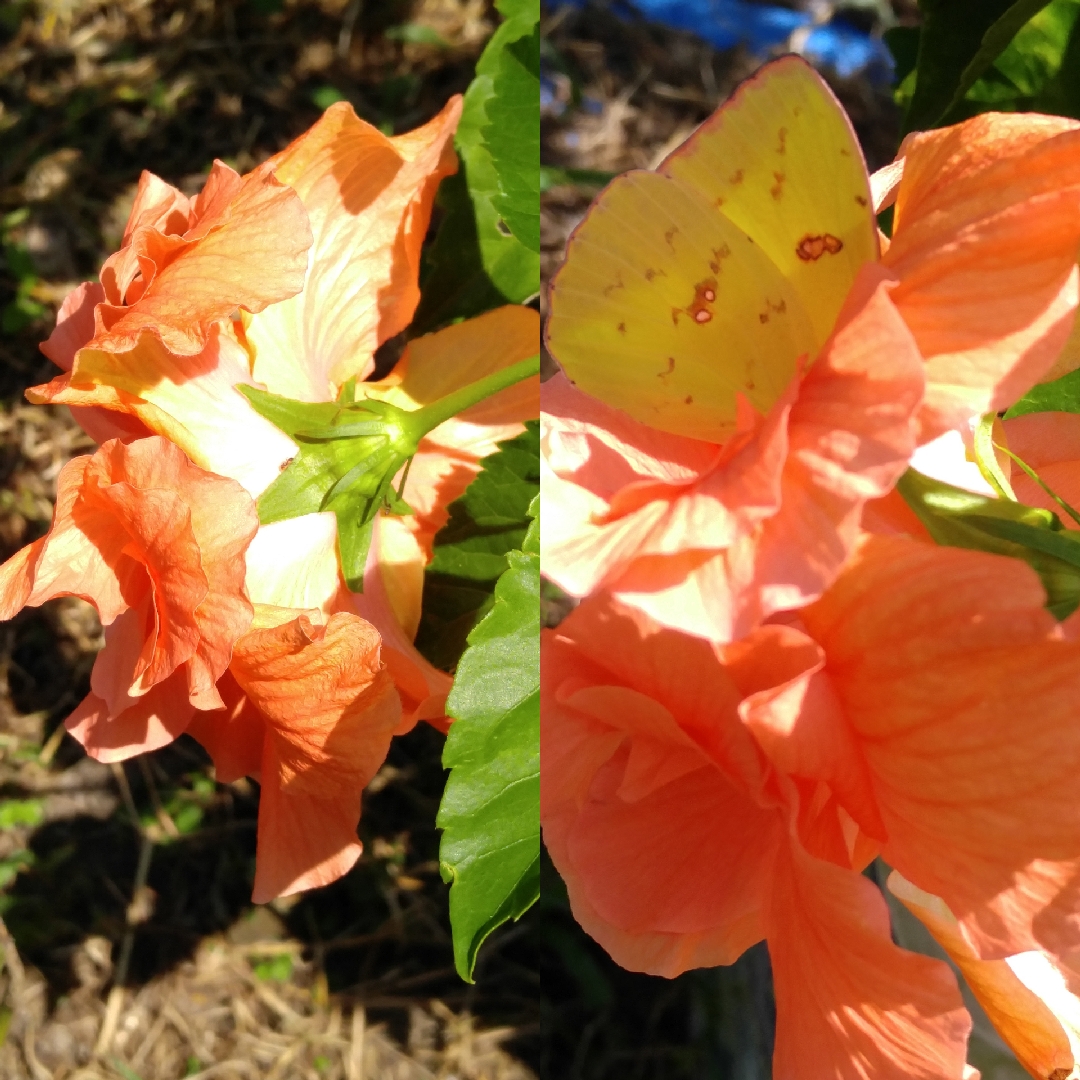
(513,137)
(958,518)
(960,39)
(476,263)
(1061,395)
(490,811)
(489,520)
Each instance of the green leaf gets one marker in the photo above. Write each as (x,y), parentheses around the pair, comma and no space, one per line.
(1031,73)
(513,137)
(960,39)
(1061,395)
(476,261)
(15,812)
(486,523)
(490,811)
(958,518)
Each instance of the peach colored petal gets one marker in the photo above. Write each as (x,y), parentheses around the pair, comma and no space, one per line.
(850,436)
(330,710)
(1043,1042)
(81,555)
(328,701)
(798,723)
(253,255)
(422,687)
(74,324)
(891,516)
(435,365)
(984,243)
(195,553)
(961,691)
(849,1003)
(157,205)
(190,400)
(294,564)
(234,736)
(706,546)
(369,200)
(151,721)
(630,801)
(304,841)
(1050,443)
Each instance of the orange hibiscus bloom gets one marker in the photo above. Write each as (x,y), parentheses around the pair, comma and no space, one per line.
(157,546)
(289,278)
(773,363)
(904,714)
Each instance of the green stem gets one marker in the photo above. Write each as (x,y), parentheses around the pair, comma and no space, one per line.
(420,422)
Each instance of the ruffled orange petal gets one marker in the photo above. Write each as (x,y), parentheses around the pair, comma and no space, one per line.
(190,400)
(630,801)
(149,722)
(369,200)
(193,529)
(961,693)
(849,1003)
(304,841)
(850,436)
(986,229)
(158,547)
(330,710)
(252,254)
(158,205)
(79,556)
(233,737)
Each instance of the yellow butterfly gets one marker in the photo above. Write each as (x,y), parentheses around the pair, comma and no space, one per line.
(714,275)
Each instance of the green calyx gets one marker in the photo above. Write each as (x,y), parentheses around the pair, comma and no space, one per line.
(349,452)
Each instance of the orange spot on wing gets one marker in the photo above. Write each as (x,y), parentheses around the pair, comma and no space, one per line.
(763,317)
(616,284)
(736,177)
(621,328)
(777,190)
(860,200)
(669,236)
(689,399)
(650,273)
(719,255)
(699,308)
(810,248)
(781,135)
(719,202)
(669,370)
(844,152)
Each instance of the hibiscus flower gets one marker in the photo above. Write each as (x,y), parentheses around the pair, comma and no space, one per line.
(286,279)
(697,797)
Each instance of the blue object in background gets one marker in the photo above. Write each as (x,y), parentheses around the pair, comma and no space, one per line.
(763,28)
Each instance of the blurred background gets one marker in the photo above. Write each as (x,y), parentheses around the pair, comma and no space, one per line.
(134,951)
